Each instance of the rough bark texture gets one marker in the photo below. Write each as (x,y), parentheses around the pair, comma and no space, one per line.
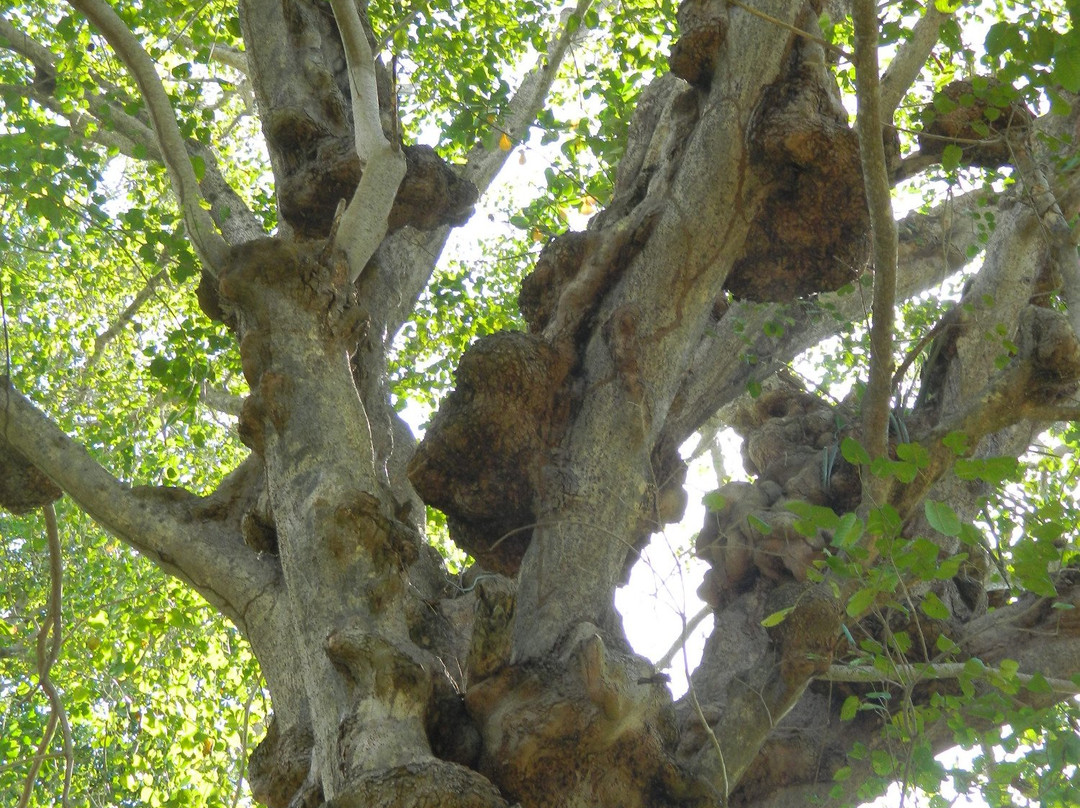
(556,455)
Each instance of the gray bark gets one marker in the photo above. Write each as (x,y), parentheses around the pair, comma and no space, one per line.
(739,202)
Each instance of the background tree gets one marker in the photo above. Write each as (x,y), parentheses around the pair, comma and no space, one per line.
(897,576)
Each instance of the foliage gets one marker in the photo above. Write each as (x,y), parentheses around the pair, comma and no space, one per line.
(103,329)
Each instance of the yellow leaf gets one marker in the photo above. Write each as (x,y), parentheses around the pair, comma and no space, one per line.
(537,235)
(504,142)
(588,206)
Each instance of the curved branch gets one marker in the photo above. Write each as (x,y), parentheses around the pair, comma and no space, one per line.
(932,246)
(49,639)
(408,258)
(208,242)
(167,525)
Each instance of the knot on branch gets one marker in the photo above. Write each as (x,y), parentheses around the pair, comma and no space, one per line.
(703,25)
(360,533)
(280,763)
(979,116)
(808,636)
(23,487)
(431,195)
(1046,338)
(558,263)
(792,442)
(810,233)
(480,460)
(492,627)
(589,709)
(376,667)
(576,270)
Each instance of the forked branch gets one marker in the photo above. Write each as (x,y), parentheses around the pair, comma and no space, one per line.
(162,524)
(363,225)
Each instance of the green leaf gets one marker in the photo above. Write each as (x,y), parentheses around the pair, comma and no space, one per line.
(945,645)
(714,501)
(848,531)
(761,526)
(861,601)
(1038,684)
(817,516)
(849,709)
(1066,70)
(913,453)
(951,157)
(1002,36)
(932,606)
(941,517)
(776,618)
(884,521)
(853,452)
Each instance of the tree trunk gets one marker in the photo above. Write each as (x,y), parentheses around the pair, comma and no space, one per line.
(739,202)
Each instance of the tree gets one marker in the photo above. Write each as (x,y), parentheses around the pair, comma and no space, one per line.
(899,575)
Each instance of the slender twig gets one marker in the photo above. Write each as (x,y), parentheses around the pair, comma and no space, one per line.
(128,314)
(688,628)
(948,670)
(789,27)
(242,754)
(484,164)
(406,20)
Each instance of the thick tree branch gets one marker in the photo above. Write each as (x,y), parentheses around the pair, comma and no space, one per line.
(363,225)
(737,350)
(407,258)
(163,524)
(1063,238)
(208,242)
(869,123)
(910,58)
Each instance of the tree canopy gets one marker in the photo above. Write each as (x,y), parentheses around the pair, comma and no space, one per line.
(577,240)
